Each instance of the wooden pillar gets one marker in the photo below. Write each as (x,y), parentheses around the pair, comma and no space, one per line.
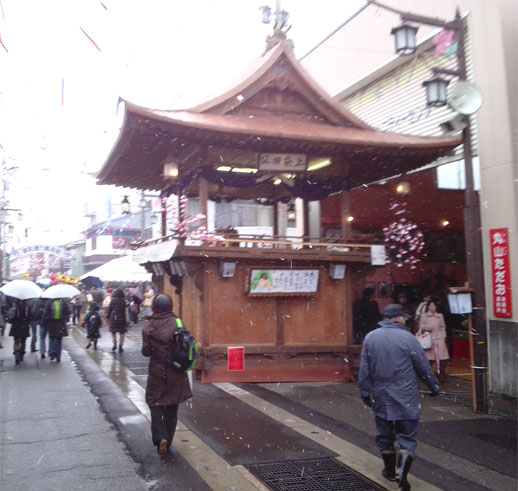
(345,209)
(204,197)
(305,217)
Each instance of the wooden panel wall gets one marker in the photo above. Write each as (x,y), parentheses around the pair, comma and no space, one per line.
(234,317)
(319,319)
(191,309)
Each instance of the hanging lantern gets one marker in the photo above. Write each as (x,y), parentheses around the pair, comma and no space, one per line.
(404,36)
(436,91)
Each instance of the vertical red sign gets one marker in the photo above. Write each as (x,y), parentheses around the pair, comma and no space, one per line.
(499,242)
(236,357)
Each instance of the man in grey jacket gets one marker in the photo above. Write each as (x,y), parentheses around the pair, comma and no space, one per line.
(391,362)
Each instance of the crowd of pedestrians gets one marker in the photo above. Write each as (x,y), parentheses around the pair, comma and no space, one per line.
(47,318)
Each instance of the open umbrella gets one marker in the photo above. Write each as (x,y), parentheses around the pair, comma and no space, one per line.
(62,290)
(92,282)
(21,289)
(136,293)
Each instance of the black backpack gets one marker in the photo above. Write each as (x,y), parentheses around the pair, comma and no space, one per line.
(183,349)
(94,321)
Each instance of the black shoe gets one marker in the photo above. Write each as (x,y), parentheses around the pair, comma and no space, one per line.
(114,347)
(43,356)
(389,459)
(17,362)
(52,357)
(121,349)
(33,350)
(404,462)
(88,345)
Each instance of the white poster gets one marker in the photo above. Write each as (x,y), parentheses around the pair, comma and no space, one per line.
(378,257)
(283,280)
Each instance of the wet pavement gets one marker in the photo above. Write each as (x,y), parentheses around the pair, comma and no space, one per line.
(232,434)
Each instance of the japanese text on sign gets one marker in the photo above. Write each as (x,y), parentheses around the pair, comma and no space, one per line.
(282,161)
(283,280)
(498,239)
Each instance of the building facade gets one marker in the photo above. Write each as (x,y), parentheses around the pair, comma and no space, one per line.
(382,89)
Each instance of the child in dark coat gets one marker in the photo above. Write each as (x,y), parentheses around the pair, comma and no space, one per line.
(93,322)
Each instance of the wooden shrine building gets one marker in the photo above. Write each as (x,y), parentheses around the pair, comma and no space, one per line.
(272,137)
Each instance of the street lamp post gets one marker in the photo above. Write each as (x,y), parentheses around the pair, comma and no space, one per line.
(472,225)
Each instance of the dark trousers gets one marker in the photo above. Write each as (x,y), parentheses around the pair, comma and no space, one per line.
(55,347)
(19,347)
(76,314)
(163,423)
(34,334)
(403,431)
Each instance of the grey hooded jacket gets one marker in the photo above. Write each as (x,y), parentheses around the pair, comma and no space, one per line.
(391,361)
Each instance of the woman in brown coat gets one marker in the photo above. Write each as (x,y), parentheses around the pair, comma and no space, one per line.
(166,386)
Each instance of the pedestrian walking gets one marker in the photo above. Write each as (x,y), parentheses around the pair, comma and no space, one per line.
(147,303)
(433,322)
(391,362)
(19,317)
(366,315)
(79,306)
(93,323)
(166,387)
(35,316)
(118,318)
(56,315)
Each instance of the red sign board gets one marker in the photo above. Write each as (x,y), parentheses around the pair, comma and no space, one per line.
(236,357)
(499,243)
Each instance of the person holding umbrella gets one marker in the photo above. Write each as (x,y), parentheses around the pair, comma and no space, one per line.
(56,316)
(18,313)
(19,316)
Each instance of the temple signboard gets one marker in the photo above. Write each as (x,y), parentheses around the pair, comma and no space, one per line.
(285,162)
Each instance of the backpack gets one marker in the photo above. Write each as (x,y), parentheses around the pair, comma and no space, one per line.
(55,311)
(182,353)
(37,309)
(94,321)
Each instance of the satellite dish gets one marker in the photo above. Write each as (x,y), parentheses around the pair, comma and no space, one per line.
(465,98)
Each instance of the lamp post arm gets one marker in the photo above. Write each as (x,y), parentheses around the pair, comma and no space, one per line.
(444,71)
(455,24)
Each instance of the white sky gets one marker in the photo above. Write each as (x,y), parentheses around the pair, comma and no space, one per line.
(156,53)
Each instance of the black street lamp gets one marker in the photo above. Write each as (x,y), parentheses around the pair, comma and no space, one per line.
(472,224)
(125,206)
(404,36)
(436,95)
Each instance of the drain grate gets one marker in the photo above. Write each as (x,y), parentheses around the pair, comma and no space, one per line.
(134,361)
(311,475)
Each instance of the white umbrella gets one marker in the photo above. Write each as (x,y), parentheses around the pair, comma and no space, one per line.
(21,289)
(62,290)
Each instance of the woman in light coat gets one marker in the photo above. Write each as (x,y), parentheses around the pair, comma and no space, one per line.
(147,303)
(433,322)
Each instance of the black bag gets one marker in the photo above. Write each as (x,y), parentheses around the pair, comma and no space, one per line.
(183,349)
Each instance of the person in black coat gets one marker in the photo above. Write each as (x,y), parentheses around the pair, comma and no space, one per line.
(118,318)
(93,322)
(19,317)
(366,315)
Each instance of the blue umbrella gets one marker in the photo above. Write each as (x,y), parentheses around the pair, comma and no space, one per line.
(92,282)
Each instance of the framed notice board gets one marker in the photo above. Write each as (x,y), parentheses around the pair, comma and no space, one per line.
(282,281)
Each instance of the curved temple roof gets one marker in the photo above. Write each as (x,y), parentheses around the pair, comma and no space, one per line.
(275,108)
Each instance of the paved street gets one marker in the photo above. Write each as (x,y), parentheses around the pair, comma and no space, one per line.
(83,424)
